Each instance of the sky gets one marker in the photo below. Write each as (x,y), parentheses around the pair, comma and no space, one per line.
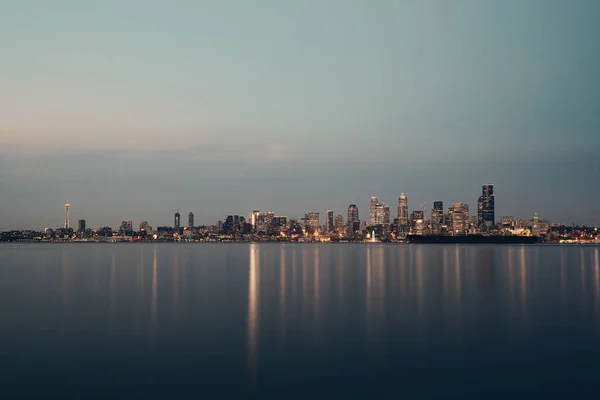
(129,109)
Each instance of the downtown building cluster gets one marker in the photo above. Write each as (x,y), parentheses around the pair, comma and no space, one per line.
(454,220)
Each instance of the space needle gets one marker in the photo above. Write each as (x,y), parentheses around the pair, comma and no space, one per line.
(67,209)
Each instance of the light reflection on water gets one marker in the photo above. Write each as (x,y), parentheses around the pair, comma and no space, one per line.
(270,305)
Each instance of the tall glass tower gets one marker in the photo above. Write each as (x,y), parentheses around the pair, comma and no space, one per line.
(485,206)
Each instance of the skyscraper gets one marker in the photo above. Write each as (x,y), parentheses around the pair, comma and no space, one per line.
(339,222)
(373,211)
(385,218)
(254,220)
(312,218)
(402,210)
(353,221)
(191,220)
(145,227)
(485,206)
(81,227)
(177,222)
(416,215)
(329,220)
(460,218)
(437,216)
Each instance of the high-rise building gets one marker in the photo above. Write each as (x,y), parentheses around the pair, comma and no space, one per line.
(329,220)
(279,224)
(402,210)
(416,215)
(449,218)
(254,220)
(373,211)
(339,222)
(353,221)
(126,227)
(535,225)
(312,218)
(485,206)
(460,218)
(81,227)
(437,216)
(145,227)
(177,222)
(191,220)
(385,218)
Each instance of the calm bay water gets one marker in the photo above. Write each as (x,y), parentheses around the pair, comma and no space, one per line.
(280,320)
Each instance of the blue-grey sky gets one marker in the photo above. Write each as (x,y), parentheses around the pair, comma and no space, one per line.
(131,108)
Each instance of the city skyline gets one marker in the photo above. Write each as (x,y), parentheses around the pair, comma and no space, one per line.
(377,213)
(130,109)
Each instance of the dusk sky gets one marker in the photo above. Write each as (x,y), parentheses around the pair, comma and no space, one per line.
(129,109)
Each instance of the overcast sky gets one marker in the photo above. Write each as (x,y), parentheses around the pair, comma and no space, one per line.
(129,109)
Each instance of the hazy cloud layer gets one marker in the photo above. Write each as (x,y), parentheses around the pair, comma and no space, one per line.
(130,109)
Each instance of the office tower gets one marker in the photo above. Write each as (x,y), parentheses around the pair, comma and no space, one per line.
(402,210)
(329,220)
(485,206)
(373,211)
(126,227)
(460,218)
(261,223)
(339,223)
(233,224)
(312,218)
(279,224)
(145,227)
(353,221)
(449,217)
(254,219)
(385,219)
(177,222)
(535,226)
(81,227)
(191,220)
(437,216)
(416,215)
(67,212)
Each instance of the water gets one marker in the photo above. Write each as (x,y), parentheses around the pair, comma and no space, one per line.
(270,320)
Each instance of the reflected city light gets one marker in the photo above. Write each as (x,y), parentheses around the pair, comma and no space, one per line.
(316,281)
(65,275)
(176,278)
(113,284)
(154,307)
(253,299)
(597,281)
(523,277)
(457,272)
(282,285)
(582,270)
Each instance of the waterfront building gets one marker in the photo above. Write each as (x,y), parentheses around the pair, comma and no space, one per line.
(339,223)
(460,218)
(414,217)
(437,216)
(353,221)
(402,210)
(486,207)
(177,220)
(373,211)
(329,221)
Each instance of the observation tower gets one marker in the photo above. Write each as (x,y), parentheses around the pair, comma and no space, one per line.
(67,210)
